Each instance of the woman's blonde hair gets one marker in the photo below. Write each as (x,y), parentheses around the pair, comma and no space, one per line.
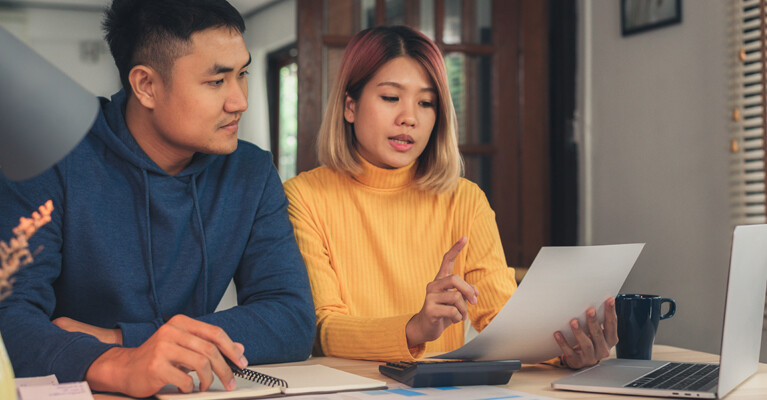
(440,165)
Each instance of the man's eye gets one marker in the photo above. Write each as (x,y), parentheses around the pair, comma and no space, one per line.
(216,83)
(244,74)
(390,98)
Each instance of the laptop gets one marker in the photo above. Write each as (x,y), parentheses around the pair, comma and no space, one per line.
(741,339)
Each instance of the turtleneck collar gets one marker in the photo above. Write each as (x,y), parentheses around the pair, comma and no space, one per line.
(381,178)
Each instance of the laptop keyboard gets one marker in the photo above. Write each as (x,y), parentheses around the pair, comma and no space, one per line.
(679,376)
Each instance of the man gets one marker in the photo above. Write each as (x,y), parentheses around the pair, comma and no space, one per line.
(156,211)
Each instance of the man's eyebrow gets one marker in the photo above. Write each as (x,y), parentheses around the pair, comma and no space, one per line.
(398,86)
(220,69)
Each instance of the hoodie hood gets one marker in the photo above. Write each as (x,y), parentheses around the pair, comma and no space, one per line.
(110,127)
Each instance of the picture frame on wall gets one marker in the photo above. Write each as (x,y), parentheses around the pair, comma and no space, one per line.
(643,15)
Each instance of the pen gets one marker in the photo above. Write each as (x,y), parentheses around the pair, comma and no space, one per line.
(237,370)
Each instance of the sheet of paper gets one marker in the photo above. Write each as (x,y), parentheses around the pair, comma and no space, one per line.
(61,391)
(442,393)
(318,378)
(36,381)
(562,283)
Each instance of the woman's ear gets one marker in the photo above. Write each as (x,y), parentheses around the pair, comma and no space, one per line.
(144,81)
(349,109)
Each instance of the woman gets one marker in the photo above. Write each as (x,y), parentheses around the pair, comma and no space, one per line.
(372,224)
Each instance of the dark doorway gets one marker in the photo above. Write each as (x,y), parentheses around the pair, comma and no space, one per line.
(564,147)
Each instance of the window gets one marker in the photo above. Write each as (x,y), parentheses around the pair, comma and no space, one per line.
(748,101)
(747,173)
(282,88)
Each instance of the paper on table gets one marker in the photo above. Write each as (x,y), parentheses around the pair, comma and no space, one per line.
(36,381)
(561,284)
(61,391)
(319,378)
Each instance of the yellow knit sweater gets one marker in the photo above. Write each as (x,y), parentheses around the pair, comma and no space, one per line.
(372,243)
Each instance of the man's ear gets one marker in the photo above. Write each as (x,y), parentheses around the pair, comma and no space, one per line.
(350,108)
(144,82)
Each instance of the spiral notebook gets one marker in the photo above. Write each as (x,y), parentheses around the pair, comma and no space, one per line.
(269,381)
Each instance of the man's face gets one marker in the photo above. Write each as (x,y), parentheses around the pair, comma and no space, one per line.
(199,106)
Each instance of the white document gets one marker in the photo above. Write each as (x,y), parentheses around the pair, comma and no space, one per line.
(562,283)
(61,391)
(318,378)
(36,381)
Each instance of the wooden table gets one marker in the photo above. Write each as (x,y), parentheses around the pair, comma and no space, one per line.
(537,378)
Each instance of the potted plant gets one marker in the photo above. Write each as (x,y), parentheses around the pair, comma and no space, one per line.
(14,255)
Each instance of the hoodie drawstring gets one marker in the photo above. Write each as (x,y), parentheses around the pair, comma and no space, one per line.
(204,271)
(149,264)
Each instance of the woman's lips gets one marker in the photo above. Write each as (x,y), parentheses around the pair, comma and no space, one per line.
(401,142)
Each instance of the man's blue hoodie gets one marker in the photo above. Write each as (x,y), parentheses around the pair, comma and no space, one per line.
(130,246)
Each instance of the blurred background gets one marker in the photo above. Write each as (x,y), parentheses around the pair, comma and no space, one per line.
(585,122)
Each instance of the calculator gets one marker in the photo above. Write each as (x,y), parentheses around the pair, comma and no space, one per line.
(435,373)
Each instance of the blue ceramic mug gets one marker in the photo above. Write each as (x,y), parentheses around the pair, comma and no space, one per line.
(638,318)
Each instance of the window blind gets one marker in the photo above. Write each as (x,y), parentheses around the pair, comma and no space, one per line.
(748,94)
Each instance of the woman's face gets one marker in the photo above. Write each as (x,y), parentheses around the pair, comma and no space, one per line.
(395,114)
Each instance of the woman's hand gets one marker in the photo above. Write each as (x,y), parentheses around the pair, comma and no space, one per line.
(445,301)
(593,345)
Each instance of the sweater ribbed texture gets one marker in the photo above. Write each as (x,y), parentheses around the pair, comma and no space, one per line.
(372,243)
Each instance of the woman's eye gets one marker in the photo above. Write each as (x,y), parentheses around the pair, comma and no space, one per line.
(389,98)
(427,104)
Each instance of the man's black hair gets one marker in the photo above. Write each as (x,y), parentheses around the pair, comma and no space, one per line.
(156,32)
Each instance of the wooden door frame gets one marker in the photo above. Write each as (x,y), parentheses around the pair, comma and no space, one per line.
(532,105)
(309,21)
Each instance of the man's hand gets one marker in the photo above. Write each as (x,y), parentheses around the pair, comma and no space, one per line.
(445,301)
(594,345)
(110,336)
(182,344)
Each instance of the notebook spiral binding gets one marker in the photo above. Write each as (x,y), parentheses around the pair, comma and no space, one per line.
(260,378)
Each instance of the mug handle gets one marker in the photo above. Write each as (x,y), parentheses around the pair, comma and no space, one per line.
(671,308)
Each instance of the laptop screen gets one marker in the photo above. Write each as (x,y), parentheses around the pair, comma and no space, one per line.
(744,307)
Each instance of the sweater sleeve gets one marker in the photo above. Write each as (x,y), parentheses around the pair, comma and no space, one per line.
(485,262)
(273,318)
(134,334)
(36,346)
(340,334)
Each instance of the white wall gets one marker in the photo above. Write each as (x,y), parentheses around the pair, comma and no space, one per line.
(57,35)
(652,120)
